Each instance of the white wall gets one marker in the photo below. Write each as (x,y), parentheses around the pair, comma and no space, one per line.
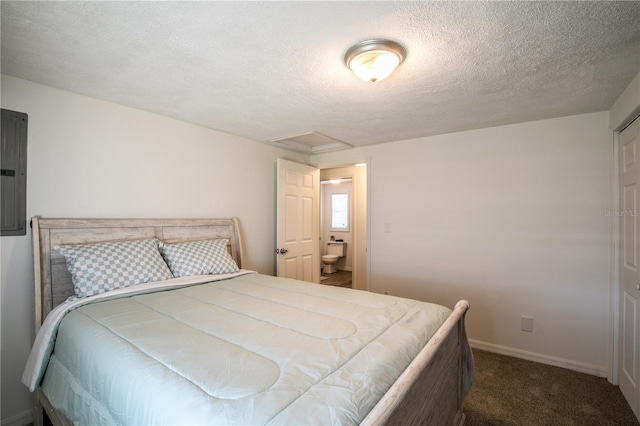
(89,158)
(511,218)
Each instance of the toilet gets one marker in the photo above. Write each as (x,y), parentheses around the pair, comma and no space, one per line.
(335,251)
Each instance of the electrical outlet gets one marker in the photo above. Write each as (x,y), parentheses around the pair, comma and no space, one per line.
(526,324)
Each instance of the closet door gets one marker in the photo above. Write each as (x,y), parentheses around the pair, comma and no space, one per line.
(629,368)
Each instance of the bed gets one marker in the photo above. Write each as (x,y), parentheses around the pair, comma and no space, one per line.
(235,347)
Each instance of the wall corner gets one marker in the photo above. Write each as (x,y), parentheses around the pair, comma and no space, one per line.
(626,107)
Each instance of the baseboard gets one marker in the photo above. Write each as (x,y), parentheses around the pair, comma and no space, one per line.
(581,367)
(21,419)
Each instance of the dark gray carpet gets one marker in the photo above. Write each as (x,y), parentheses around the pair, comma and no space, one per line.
(512,391)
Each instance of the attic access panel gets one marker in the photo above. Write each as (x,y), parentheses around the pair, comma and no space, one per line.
(310,143)
(13,173)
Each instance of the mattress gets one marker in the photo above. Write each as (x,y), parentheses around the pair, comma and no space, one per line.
(247,349)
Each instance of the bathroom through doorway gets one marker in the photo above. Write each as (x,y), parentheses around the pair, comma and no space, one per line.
(343,226)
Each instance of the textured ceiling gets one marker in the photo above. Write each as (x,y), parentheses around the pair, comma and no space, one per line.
(269,70)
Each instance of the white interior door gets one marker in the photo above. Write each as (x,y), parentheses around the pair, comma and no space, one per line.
(298,217)
(629,368)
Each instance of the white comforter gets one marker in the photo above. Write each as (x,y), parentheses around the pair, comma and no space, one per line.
(252,349)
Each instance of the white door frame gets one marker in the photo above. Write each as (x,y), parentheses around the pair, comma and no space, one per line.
(614,260)
(630,388)
(617,340)
(614,250)
(342,163)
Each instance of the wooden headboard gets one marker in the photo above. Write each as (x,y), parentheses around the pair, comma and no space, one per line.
(53,283)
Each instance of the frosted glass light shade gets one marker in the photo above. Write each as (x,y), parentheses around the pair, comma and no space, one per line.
(374,60)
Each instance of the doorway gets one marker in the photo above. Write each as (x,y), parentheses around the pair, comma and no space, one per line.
(350,180)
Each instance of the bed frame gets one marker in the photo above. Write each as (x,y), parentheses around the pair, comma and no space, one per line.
(430,391)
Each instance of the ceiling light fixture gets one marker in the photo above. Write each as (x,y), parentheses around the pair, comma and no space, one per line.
(374,60)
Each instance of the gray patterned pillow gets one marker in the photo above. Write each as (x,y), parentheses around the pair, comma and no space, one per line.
(205,257)
(97,268)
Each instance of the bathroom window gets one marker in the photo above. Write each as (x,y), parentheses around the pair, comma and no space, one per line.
(340,212)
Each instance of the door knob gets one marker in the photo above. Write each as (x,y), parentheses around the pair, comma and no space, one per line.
(283,251)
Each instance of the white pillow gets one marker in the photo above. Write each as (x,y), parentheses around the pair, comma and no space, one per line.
(100,267)
(205,257)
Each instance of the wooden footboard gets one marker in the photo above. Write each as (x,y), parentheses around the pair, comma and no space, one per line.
(430,390)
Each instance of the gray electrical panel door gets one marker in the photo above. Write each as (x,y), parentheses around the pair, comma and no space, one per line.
(13,156)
